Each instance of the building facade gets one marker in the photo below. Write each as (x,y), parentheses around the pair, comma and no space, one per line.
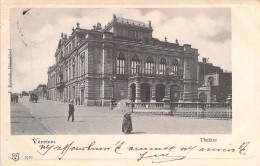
(122,60)
(41,91)
(215,85)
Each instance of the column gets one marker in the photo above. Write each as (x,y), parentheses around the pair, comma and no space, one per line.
(102,88)
(138,90)
(129,95)
(153,92)
(102,93)
(79,71)
(69,72)
(77,65)
(167,90)
(85,67)
(69,93)
(142,64)
(128,67)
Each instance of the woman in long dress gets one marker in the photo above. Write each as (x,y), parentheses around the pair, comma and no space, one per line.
(127,123)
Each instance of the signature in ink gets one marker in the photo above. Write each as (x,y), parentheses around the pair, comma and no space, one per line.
(165,155)
(46,148)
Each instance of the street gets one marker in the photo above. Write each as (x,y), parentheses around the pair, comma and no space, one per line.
(50,117)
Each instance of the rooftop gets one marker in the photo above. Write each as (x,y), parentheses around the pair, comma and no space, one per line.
(131,22)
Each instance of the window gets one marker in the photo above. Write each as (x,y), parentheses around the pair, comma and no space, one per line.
(82,63)
(175,67)
(82,66)
(210,81)
(188,64)
(135,64)
(70,73)
(136,34)
(67,51)
(73,43)
(73,71)
(69,47)
(119,31)
(120,64)
(162,65)
(149,65)
(131,34)
(124,32)
(140,35)
(66,74)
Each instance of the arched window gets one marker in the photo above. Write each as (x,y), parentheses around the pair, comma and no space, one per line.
(134,64)
(82,65)
(120,64)
(66,74)
(73,68)
(210,81)
(149,65)
(175,67)
(162,65)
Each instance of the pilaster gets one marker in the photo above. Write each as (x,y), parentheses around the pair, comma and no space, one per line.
(138,90)
(153,92)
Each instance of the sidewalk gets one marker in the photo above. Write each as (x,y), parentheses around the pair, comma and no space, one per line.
(76,106)
(24,123)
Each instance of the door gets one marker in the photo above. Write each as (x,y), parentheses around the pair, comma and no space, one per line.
(160,92)
(145,92)
(174,93)
(82,97)
(133,89)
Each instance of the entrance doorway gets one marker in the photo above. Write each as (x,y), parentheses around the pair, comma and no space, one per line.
(145,92)
(61,95)
(160,92)
(82,97)
(174,93)
(133,90)
(203,97)
(73,92)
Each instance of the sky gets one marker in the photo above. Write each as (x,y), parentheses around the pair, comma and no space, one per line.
(35,34)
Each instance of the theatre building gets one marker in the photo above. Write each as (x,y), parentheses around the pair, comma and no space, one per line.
(122,60)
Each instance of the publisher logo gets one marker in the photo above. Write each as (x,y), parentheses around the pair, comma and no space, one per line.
(15,156)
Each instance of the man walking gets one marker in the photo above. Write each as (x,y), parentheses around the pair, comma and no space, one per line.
(71,110)
(79,100)
(76,101)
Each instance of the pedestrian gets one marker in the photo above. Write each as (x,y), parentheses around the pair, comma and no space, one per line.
(79,100)
(71,111)
(76,100)
(127,123)
(16,99)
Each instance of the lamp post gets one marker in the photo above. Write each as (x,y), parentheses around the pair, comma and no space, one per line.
(112,79)
(166,99)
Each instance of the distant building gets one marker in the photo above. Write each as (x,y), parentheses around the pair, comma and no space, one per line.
(25,93)
(214,84)
(122,60)
(41,91)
